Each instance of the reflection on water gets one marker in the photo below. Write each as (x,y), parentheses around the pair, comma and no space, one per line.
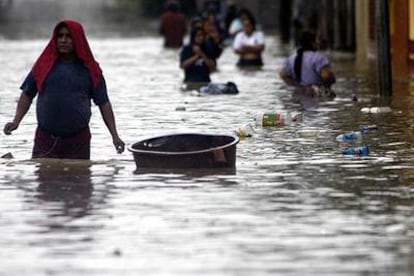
(67,184)
(294,205)
(187,172)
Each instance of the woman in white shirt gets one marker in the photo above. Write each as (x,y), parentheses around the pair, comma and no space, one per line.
(249,44)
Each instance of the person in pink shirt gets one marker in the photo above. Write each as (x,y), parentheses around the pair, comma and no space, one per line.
(308,68)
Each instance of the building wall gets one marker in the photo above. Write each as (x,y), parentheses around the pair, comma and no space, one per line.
(362,31)
(399,29)
(411,29)
(401,16)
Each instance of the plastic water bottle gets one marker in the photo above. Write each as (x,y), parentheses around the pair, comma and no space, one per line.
(246,130)
(376,109)
(349,136)
(278,118)
(363,150)
(369,128)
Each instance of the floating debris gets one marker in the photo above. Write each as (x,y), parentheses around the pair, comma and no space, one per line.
(376,109)
(246,130)
(8,156)
(180,108)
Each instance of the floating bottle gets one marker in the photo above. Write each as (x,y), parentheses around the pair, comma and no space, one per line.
(278,118)
(349,136)
(363,150)
(376,109)
(196,93)
(246,130)
(369,128)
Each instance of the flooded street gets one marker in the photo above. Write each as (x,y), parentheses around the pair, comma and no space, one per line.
(294,206)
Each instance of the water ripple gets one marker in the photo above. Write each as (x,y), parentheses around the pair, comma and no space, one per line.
(294,205)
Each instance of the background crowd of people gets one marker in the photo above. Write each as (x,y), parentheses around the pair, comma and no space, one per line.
(223,24)
(66,77)
(213,29)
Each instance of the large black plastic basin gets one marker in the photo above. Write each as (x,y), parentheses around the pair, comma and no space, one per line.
(186,150)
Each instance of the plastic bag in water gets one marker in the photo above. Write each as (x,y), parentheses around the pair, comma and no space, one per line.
(220,88)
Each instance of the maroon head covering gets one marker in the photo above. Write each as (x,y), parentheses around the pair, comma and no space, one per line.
(50,54)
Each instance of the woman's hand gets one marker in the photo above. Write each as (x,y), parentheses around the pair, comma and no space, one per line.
(328,77)
(197,50)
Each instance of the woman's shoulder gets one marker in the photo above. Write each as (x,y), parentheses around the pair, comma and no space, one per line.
(240,35)
(315,55)
(258,32)
(318,59)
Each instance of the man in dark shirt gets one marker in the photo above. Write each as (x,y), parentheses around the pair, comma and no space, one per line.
(65,77)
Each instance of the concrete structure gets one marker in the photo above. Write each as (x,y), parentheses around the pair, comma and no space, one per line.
(362,31)
(402,35)
(401,31)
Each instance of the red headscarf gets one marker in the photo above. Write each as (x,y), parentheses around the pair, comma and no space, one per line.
(50,54)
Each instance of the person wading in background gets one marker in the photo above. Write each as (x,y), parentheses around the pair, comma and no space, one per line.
(249,45)
(308,68)
(173,26)
(194,60)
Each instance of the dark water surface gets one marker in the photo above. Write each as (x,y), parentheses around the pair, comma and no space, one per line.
(294,206)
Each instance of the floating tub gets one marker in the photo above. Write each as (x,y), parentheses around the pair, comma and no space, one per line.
(186,150)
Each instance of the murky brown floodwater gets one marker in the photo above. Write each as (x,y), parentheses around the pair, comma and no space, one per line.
(295,206)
